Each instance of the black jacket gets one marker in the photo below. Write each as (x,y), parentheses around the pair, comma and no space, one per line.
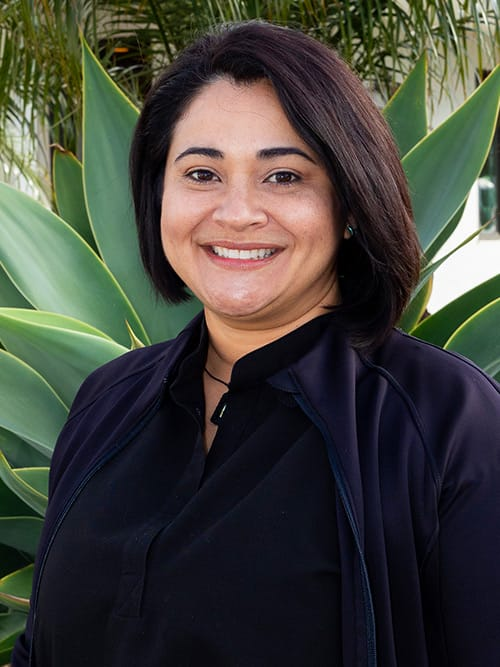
(413,438)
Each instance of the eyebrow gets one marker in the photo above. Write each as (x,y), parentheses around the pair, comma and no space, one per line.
(269,153)
(263,154)
(200,150)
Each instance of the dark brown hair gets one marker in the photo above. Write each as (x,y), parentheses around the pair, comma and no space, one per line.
(329,108)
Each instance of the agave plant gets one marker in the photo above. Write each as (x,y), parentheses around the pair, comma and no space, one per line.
(74,295)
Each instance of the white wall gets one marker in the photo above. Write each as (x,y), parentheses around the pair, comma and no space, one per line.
(471,265)
(479,260)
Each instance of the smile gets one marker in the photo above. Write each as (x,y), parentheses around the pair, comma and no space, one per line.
(233,253)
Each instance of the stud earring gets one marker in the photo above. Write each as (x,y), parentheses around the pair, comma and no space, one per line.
(350,230)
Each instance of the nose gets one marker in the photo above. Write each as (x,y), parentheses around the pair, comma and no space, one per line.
(240,207)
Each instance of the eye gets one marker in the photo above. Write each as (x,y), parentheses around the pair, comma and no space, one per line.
(201,175)
(283,178)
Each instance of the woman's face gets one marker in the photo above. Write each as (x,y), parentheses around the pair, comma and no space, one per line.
(249,220)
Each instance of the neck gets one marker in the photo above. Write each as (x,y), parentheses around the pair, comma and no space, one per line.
(229,341)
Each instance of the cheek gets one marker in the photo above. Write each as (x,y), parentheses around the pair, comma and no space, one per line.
(171,222)
(164,231)
(330,228)
(322,231)
(171,246)
(176,242)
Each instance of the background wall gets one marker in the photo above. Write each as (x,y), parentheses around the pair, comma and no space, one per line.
(479,260)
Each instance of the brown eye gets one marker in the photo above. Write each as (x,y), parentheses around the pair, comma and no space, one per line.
(283,178)
(202,175)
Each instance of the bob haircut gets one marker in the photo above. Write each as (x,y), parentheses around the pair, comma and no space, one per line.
(330,110)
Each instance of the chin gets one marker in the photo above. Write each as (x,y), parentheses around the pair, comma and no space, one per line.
(235,308)
(237,312)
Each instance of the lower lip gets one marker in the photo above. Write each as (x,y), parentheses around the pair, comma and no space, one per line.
(230,263)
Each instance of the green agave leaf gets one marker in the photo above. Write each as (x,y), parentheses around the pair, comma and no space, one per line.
(443,166)
(30,408)
(67,178)
(62,356)
(11,560)
(9,294)
(135,343)
(43,317)
(109,120)
(445,233)
(406,111)
(11,625)
(429,269)
(56,270)
(21,532)
(15,589)
(5,654)
(36,478)
(20,453)
(11,504)
(416,308)
(440,326)
(478,338)
(29,484)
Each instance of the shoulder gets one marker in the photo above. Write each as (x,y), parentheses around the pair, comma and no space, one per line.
(113,398)
(109,397)
(455,404)
(122,370)
(421,368)
(111,402)
(133,370)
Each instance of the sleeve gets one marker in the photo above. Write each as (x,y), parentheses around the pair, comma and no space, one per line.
(21,653)
(75,450)
(466,554)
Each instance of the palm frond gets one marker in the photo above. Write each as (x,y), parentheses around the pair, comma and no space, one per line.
(40,68)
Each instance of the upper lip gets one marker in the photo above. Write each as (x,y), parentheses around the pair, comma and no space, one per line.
(253,245)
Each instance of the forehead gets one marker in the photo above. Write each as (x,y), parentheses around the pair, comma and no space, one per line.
(227,112)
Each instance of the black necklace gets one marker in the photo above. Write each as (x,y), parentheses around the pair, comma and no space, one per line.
(226,384)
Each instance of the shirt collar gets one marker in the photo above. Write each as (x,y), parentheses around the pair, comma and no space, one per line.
(260,364)
(254,367)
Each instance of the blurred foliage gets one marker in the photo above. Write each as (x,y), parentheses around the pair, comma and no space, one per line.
(40,59)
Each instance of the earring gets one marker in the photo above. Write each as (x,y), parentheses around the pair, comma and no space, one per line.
(350,230)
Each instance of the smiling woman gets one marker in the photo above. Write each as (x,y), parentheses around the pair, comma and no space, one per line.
(291,481)
(324,115)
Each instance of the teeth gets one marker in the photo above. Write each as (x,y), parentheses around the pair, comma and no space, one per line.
(232,253)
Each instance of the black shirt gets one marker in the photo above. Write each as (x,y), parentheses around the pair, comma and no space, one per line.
(171,557)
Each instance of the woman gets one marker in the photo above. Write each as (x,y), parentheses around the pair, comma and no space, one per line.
(291,481)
